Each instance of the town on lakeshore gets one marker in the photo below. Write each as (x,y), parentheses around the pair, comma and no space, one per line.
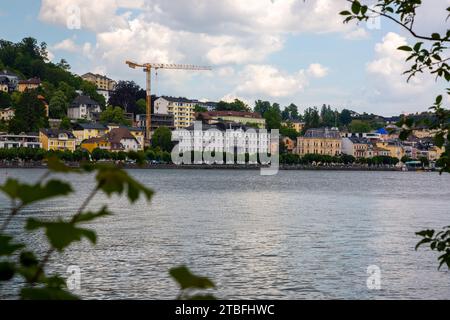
(92,117)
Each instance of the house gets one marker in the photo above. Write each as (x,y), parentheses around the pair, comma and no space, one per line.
(30,84)
(7,114)
(85,131)
(394,147)
(100,81)
(355,146)
(96,143)
(323,141)
(138,133)
(12,79)
(121,139)
(23,140)
(52,139)
(245,118)
(83,107)
(182,110)
(297,125)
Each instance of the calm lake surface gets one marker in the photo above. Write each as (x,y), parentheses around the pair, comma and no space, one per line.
(297,235)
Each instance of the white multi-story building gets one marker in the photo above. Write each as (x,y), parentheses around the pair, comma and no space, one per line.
(9,141)
(223,137)
(182,110)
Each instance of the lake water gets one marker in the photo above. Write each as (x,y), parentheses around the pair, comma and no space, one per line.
(296,235)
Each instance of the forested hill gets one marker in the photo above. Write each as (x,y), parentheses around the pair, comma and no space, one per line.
(29,59)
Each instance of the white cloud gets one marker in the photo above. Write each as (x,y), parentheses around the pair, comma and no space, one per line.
(69,45)
(266,80)
(357,34)
(387,87)
(66,45)
(388,67)
(316,70)
(93,15)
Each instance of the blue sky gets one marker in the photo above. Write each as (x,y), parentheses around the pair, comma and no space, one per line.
(283,51)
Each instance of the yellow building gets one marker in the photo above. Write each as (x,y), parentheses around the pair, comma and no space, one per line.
(245,118)
(395,149)
(94,143)
(435,153)
(85,131)
(57,140)
(101,82)
(297,125)
(320,141)
(182,110)
(424,133)
(30,84)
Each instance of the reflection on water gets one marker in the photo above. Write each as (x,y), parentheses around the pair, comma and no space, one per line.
(297,235)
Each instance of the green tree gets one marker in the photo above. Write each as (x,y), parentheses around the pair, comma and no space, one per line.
(262,106)
(58,105)
(141,106)
(90,90)
(125,95)
(162,138)
(5,100)
(359,126)
(30,114)
(114,115)
(236,105)
(199,108)
(273,117)
(345,117)
(311,118)
(65,124)
(290,113)
(328,117)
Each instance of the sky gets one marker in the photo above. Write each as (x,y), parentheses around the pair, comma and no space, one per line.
(284,51)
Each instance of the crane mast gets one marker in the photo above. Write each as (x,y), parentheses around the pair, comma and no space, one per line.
(147,68)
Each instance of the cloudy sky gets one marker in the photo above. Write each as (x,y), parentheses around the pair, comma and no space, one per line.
(280,50)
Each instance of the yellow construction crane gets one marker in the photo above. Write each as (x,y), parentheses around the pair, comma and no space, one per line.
(147,68)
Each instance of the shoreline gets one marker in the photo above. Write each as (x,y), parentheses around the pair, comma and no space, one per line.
(214,167)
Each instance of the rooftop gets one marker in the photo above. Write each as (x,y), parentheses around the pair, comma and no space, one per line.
(35,81)
(83,100)
(179,99)
(90,126)
(242,114)
(117,134)
(54,133)
(323,133)
(90,74)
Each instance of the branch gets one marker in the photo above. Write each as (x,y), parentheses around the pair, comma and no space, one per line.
(15,210)
(72,221)
(409,29)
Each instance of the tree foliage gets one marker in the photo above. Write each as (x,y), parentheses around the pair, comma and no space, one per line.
(114,115)
(162,139)
(30,114)
(18,260)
